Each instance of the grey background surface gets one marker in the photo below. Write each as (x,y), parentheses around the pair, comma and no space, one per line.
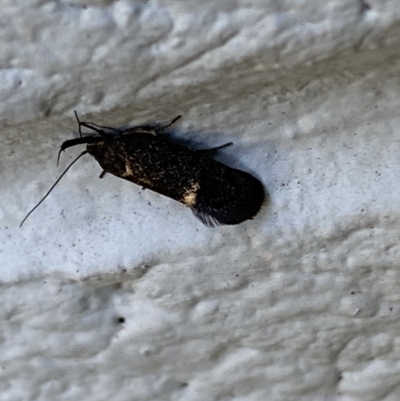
(302,303)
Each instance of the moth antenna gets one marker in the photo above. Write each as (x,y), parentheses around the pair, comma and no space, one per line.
(79,123)
(101,132)
(171,123)
(59,154)
(89,125)
(92,126)
(213,151)
(53,186)
(80,133)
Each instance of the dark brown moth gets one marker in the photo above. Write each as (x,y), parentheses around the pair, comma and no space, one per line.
(216,194)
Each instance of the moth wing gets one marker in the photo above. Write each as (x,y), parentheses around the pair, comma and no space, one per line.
(214,210)
(217,216)
(207,217)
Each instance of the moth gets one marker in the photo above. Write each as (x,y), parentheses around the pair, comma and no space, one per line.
(216,193)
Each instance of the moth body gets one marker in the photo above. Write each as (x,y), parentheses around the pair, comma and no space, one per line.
(216,193)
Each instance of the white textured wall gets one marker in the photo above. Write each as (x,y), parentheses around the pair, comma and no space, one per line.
(302,303)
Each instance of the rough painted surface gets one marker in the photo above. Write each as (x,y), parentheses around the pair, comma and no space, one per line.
(111,292)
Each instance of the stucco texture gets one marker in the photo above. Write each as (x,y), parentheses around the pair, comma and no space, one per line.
(112,292)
